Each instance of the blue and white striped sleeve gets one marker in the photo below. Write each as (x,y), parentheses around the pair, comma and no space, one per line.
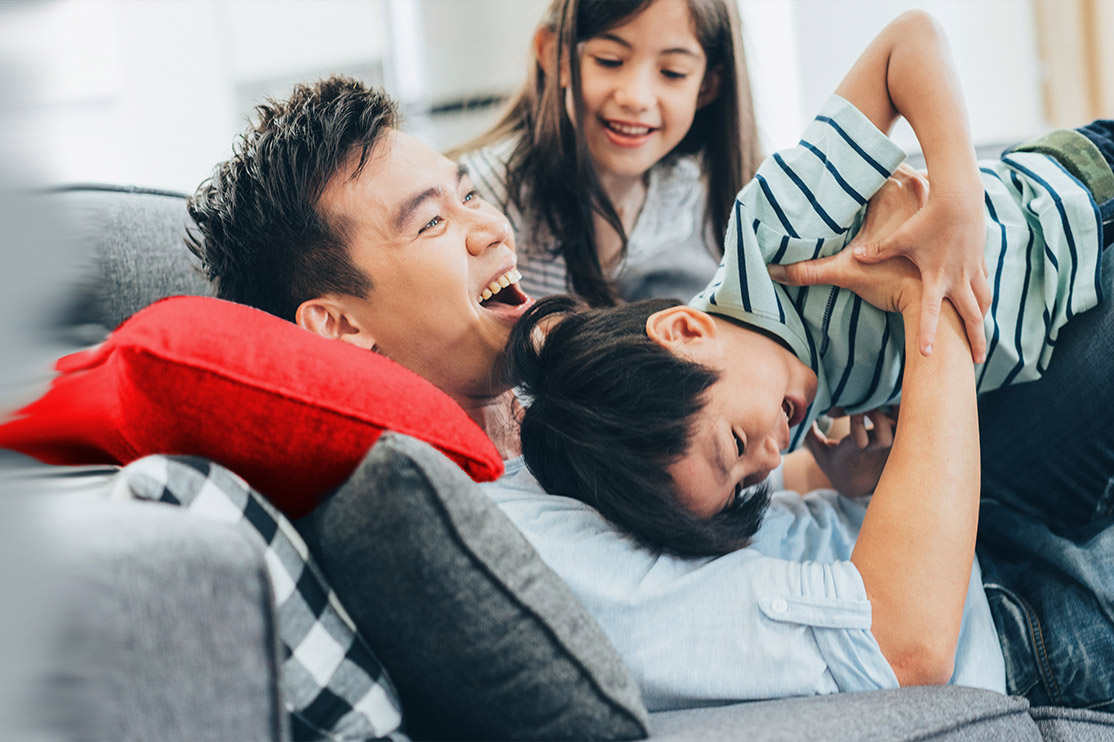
(805,202)
(816,189)
(802,204)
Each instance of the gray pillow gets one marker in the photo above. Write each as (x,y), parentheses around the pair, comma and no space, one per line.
(482,640)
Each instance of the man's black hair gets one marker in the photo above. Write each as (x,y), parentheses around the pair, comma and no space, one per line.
(609,411)
(259,235)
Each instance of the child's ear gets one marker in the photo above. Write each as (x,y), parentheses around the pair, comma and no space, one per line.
(680,327)
(709,88)
(330,317)
(545,52)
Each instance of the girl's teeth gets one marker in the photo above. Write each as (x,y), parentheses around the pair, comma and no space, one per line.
(631,131)
(504,282)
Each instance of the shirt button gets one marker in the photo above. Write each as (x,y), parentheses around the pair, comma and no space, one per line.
(778,605)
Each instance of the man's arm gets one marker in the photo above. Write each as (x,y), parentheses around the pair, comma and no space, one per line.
(908,70)
(917,542)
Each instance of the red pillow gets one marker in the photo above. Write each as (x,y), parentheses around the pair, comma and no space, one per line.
(291,412)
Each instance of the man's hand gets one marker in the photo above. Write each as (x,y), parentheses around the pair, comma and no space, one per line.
(944,235)
(854,463)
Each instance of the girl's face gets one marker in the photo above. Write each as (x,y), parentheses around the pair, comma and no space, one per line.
(642,83)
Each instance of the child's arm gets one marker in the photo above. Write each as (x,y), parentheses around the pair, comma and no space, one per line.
(848,458)
(907,70)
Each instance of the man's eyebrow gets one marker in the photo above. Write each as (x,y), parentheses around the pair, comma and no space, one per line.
(406,210)
(672,50)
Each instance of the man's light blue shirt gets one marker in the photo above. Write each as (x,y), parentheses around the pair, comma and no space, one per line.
(786,616)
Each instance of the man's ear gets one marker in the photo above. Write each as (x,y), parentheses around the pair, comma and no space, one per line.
(545,52)
(332,317)
(679,328)
(709,88)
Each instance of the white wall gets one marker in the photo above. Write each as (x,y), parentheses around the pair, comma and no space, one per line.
(153,93)
(994,43)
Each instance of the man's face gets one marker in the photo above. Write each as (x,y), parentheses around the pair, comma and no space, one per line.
(431,247)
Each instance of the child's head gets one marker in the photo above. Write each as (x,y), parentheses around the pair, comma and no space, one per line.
(617,414)
(634,76)
(674,67)
(617,86)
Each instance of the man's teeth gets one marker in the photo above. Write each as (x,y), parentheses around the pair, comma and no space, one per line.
(502,282)
(627,130)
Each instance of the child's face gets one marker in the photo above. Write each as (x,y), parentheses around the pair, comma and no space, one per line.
(640,82)
(738,436)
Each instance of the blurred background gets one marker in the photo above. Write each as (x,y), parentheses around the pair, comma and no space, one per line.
(153,92)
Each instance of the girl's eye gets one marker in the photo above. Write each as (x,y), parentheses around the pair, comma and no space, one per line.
(674,75)
(607,62)
(431,224)
(740,445)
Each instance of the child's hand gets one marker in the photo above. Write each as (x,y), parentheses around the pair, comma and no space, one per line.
(944,237)
(893,285)
(854,462)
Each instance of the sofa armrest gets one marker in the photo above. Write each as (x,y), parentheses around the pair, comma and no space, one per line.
(164,626)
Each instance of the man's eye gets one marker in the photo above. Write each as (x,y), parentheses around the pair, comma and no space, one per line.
(431,224)
(740,445)
(471,196)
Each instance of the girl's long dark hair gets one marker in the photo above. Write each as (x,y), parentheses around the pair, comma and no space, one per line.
(550,169)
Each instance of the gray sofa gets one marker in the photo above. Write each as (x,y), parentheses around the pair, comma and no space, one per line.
(151,624)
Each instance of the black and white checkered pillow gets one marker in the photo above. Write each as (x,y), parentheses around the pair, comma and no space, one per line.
(331,684)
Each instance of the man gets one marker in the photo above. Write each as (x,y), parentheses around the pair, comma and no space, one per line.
(327,216)
(361,233)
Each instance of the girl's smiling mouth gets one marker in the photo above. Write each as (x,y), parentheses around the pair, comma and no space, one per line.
(626,133)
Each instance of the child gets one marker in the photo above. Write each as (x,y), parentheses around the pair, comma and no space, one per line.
(665,414)
(634,112)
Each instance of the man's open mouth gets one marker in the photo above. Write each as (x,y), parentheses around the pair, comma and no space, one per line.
(504,290)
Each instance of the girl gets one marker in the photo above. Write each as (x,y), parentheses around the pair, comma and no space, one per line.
(635,111)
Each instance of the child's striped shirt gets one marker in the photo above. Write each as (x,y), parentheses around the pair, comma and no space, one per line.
(1043,249)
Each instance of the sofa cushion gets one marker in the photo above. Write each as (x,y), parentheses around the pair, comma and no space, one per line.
(331,683)
(156,626)
(950,713)
(1058,724)
(290,411)
(482,639)
(126,250)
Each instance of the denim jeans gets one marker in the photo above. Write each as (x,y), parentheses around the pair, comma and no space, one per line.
(1101,134)
(1046,525)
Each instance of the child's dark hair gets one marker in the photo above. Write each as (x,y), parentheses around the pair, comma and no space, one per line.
(609,411)
(551,171)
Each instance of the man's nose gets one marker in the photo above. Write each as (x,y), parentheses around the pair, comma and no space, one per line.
(487,230)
